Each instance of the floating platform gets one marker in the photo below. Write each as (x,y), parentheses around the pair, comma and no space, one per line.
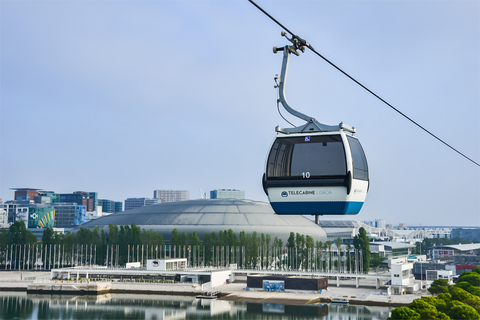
(95,288)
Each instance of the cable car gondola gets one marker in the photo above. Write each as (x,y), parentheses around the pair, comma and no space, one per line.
(314,169)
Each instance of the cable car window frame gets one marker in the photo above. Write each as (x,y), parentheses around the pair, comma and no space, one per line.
(282,153)
(359,160)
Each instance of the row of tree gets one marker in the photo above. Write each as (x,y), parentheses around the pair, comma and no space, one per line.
(260,249)
(459,301)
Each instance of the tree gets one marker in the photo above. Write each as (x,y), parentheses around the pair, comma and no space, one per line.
(376,260)
(463,296)
(471,277)
(439,286)
(460,310)
(48,236)
(174,240)
(404,313)
(18,234)
(291,240)
(339,243)
(437,302)
(193,239)
(426,310)
(362,242)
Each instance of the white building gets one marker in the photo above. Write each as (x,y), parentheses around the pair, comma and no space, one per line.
(402,279)
(227,194)
(3,218)
(16,211)
(171,195)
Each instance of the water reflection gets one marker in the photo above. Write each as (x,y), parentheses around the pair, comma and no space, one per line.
(120,306)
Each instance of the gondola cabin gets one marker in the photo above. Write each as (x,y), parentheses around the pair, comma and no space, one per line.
(321,173)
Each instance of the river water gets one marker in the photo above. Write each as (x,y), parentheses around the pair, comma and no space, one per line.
(121,306)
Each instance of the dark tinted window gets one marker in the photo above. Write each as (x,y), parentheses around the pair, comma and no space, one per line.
(307,157)
(360,167)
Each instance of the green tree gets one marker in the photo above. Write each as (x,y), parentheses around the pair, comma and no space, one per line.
(426,310)
(18,234)
(404,313)
(471,277)
(437,302)
(291,240)
(362,242)
(439,286)
(48,236)
(460,310)
(463,296)
(376,260)
(338,244)
(175,239)
(193,238)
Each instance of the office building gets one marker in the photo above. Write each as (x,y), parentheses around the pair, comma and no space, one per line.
(16,211)
(109,206)
(82,198)
(41,216)
(472,234)
(171,195)
(25,194)
(3,218)
(131,203)
(227,194)
(69,215)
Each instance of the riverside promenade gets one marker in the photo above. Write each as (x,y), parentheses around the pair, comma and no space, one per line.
(366,295)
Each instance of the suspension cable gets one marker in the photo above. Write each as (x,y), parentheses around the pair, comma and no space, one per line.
(309,46)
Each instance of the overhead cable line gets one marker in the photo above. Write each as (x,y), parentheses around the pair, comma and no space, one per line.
(305,43)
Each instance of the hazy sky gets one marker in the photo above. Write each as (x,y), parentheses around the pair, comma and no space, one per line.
(124,97)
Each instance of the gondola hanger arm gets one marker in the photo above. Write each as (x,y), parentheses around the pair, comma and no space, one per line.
(312,124)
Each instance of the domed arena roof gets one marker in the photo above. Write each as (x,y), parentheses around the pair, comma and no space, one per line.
(207,215)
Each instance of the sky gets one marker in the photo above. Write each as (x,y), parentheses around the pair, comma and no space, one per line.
(125,97)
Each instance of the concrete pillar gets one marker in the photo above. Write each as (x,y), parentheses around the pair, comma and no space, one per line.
(379,283)
(338,281)
(357,282)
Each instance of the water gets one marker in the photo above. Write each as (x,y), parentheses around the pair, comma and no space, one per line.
(155,307)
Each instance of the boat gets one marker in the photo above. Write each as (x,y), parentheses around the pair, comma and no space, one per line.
(340,300)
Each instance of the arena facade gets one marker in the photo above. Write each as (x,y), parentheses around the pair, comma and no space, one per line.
(208,215)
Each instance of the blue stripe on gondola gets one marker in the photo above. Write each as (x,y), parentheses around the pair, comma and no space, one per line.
(320,207)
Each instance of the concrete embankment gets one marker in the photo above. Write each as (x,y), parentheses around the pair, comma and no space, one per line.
(17,281)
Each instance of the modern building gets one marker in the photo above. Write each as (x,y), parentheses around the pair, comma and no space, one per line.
(466,233)
(41,216)
(109,206)
(402,279)
(132,203)
(69,215)
(227,194)
(16,211)
(25,194)
(3,218)
(392,250)
(212,215)
(449,251)
(82,198)
(47,197)
(171,195)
